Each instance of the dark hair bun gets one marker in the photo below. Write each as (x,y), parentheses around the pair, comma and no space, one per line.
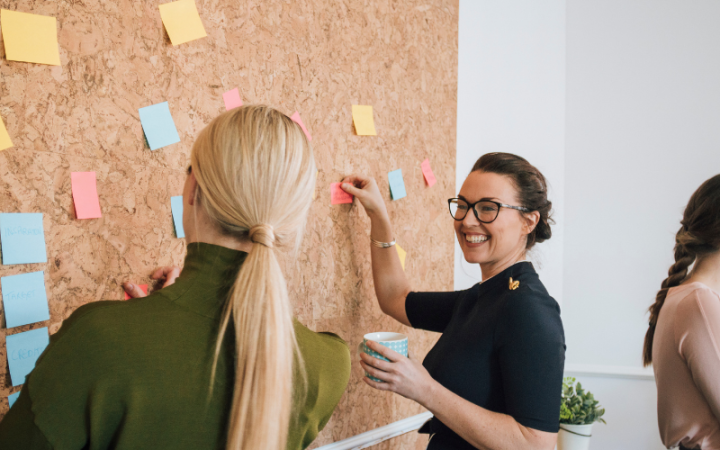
(531,188)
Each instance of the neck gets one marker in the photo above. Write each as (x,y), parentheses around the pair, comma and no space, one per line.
(490,269)
(706,271)
(209,234)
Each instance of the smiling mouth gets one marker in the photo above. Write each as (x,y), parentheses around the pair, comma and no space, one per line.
(476,238)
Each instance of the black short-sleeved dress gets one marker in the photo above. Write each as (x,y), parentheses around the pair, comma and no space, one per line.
(502,349)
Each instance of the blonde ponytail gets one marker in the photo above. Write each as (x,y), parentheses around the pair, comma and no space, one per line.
(255,170)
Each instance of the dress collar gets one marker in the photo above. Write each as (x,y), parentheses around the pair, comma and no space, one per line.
(206,278)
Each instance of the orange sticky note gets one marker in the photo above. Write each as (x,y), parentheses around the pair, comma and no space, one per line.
(232,99)
(296,118)
(84,190)
(402,254)
(182,21)
(144,288)
(428,173)
(338,196)
(5,141)
(30,37)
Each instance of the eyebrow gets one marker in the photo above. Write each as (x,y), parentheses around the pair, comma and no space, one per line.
(484,199)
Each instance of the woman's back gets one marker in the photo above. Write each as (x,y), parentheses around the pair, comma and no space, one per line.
(686,361)
(136,374)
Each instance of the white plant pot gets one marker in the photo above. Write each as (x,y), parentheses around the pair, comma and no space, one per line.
(574,437)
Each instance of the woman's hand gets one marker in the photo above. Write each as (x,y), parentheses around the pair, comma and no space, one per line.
(367,192)
(168,273)
(404,376)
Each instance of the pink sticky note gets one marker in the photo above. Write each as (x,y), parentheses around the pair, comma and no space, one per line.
(232,99)
(84,191)
(144,288)
(428,173)
(338,196)
(296,118)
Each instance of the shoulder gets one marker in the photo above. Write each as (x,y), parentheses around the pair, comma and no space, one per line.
(697,306)
(529,309)
(323,343)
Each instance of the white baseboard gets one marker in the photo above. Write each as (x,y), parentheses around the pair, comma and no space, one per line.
(593,370)
(378,435)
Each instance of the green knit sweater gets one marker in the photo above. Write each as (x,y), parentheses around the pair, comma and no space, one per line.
(136,374)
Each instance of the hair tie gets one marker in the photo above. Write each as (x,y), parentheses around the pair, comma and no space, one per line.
(262,234)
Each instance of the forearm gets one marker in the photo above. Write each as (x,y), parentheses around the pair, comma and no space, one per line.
(391,284)
(484,429)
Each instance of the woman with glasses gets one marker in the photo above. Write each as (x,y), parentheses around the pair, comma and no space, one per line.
(494,378)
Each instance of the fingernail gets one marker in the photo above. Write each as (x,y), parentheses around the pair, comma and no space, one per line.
(129,285)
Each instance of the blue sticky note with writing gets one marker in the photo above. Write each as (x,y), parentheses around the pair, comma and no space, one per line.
(158,125)
(397,185)
(23,238)
(25,299)
(23,350)
(176,204)
(12,398)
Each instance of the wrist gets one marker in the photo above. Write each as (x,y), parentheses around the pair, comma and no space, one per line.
(429,395)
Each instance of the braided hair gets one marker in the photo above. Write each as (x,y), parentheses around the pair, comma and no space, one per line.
(698,236)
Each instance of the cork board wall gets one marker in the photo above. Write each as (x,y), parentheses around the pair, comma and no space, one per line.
(315,56)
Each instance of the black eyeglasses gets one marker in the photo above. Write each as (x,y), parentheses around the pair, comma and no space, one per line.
(486,211)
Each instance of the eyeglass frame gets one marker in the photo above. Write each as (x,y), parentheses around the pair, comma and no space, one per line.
(477,216)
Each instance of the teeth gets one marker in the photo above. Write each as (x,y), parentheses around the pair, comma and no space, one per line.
(476,239)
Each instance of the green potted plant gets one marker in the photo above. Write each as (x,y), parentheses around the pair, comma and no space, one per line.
(578,411)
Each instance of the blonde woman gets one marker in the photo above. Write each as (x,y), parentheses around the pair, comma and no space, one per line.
(216,360)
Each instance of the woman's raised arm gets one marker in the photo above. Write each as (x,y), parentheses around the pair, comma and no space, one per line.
(391,284)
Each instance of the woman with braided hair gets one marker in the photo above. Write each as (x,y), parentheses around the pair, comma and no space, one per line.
(215,359)
(683,339)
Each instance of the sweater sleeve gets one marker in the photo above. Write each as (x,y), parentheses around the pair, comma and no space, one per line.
(697,335)
(18,430)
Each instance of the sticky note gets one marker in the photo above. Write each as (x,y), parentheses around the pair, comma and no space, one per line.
(144,288)
(296,118)
(338,196)
(12,398)
(182,21)
(23,238)
(397,185)
(85,196)
(402,254)
(158,125)
(232,99)
(5,141)
(363,120)
(25,299)
(23,350)
(176,204)
(428,173)
(30,37)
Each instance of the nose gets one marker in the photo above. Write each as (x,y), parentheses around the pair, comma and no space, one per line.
(470,220)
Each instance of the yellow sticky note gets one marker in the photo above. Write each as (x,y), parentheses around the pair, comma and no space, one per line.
(5,141)
(182,21)
(30,37)
(402,254)
(363,120)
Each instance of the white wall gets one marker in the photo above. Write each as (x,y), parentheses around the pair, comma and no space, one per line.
(618,103)
(511,98)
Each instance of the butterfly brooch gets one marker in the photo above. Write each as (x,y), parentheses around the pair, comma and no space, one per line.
(514,284)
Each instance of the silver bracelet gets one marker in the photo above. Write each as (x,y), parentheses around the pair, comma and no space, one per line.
(382,244)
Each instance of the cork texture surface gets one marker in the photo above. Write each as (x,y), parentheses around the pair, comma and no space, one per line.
(318,57)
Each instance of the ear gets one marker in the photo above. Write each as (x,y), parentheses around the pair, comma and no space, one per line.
(530,221)
(193,187)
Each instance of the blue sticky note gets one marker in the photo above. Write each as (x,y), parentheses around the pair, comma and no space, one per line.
(23,350)
(176,204)
(397,185)
(23,238)
(25,299)
(12,398)
(158,125)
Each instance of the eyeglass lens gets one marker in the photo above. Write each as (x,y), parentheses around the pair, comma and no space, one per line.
(486,211)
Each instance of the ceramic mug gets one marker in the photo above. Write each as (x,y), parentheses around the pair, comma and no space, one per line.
(393,341)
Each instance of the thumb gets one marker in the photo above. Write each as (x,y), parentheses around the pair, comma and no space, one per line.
(133,290)
(352,190)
